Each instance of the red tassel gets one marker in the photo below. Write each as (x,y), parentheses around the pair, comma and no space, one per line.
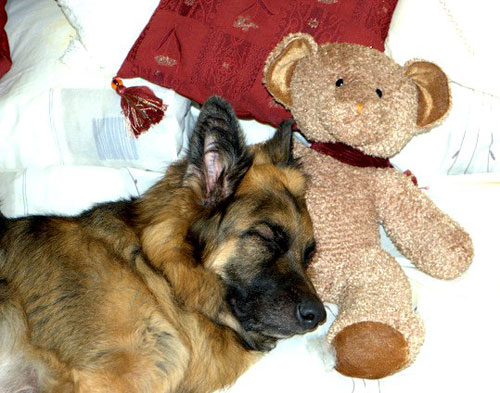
(140,106)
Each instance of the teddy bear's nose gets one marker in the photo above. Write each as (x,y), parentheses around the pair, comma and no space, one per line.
(359,108)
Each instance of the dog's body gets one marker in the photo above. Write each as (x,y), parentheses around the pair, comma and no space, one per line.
(177,291)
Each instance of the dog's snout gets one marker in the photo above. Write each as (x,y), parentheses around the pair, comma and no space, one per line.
(310,312)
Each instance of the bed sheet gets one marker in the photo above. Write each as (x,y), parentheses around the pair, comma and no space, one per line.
(459,353)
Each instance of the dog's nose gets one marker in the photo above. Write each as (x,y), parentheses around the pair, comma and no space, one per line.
(310,312)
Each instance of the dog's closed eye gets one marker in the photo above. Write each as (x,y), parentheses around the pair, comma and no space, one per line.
(309,252)
(273,235)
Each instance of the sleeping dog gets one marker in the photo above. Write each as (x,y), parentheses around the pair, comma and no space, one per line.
(180,290)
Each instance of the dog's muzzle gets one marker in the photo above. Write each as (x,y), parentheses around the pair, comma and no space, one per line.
(310,312)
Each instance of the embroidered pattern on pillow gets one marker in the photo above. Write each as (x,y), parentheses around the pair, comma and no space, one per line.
(205,47)
(5,60)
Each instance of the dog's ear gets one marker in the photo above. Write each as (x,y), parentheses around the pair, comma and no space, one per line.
(218,156)
(278,149)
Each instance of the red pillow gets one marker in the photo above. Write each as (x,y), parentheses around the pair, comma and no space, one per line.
(5,61)
(205,47)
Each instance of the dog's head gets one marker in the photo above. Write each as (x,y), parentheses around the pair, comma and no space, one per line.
(255,231)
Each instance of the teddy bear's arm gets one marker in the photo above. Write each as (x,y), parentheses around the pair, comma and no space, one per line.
(434,242)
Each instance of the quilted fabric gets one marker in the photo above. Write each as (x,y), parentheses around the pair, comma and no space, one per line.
(5,61)
(205,47)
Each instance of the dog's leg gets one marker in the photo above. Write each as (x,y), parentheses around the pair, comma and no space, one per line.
(203,358)
(23,368)
(16,375)
(218,359)
(153,362)
(162,291)
(197,288)
(165,246)
(129,373)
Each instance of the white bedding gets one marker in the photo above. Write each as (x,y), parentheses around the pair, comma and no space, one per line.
(460,351)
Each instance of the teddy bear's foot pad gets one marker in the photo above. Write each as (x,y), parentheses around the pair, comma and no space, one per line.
(370,350)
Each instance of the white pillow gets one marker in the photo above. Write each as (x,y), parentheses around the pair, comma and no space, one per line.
(53,113)
(107,29)
(466,142)
(456,36)
(69,190)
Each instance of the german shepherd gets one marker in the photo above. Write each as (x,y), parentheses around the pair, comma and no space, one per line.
(180,290)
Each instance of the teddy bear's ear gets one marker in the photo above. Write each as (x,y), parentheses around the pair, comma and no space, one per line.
(281,62)
(434,97)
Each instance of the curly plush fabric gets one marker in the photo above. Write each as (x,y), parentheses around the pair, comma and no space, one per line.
(352,95)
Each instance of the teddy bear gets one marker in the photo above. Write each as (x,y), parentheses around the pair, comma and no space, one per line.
(357,107)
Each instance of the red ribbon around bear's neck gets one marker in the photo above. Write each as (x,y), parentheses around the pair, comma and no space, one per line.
(355,157)
(350,155)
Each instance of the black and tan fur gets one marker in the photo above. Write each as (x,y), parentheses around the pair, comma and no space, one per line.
(179,290)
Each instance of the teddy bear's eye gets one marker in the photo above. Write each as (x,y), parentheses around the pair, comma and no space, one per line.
(379,93)
(339,82)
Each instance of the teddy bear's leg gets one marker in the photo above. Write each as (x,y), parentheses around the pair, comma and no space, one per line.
(377,332)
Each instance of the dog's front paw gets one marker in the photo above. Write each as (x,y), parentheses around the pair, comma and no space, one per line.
(264,343)
(252,340)
(259,342)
